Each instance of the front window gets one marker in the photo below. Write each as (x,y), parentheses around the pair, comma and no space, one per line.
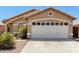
(34,23)
(65,23)
(43,23)
(61,23)
(47,23)
(57,23)
(38,23)
(52,23)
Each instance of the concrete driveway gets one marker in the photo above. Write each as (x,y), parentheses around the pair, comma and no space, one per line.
(51,46)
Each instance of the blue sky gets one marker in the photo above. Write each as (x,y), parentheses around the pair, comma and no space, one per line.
(9,11)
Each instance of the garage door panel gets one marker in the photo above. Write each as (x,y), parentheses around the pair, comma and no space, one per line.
(49,31)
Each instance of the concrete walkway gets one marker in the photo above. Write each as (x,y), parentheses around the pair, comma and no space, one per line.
(51,47)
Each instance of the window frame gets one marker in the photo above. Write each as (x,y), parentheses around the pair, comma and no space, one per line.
(38,23)
(61,23)
(43,23)
(34,23)
(65,23)
(57,23)
(47,23)
(52,23)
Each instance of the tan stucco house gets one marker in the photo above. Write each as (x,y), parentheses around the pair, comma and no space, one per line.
(47,23)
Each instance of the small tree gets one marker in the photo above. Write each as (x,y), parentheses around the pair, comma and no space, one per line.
(23,32)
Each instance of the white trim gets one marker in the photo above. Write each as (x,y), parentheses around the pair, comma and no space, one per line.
(21,22)
(50,18)
(71,34)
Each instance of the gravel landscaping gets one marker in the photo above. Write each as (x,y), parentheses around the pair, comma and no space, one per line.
(19,46)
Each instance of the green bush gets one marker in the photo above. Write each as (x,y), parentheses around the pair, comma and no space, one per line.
(7,41)
(23,32)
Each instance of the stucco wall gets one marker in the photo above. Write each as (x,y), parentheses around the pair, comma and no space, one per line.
(70,30)
(44,14)
(41,15)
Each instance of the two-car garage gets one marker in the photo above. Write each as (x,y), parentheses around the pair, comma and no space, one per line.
(50,29)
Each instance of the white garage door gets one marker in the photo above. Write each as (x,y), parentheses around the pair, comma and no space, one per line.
(49,30)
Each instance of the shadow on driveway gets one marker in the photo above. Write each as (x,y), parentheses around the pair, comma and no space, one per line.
(51,39)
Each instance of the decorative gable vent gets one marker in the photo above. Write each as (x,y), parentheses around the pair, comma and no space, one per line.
(50,13)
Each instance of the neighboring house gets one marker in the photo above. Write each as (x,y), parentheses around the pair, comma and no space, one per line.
(47,23)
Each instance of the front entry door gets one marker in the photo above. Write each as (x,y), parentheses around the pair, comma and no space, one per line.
(75,32)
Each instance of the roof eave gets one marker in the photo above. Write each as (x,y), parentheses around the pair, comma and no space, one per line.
(4,21)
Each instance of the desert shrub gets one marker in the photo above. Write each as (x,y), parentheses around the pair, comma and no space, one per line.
(7,41)
(23,32)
